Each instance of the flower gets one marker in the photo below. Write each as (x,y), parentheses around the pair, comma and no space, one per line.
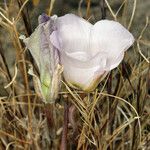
(47,59)
(88,52)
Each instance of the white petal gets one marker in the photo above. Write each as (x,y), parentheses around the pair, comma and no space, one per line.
(72,34)
(71,59)
(114,62)
(82,74)
(81,78)
(112,39)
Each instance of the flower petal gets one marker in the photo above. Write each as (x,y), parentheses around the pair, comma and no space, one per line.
(72,34)
(80,78)
(112,39)
(83,75)
(89,63)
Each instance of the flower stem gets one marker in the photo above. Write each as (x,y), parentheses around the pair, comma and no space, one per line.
(51,119)
(65,127)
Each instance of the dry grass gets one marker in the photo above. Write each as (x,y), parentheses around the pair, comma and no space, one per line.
(116,116)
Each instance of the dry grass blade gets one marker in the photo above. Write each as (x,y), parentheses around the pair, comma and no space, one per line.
(51,7)
(140,37)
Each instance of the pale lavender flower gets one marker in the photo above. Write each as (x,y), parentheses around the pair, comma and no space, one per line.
(88,52)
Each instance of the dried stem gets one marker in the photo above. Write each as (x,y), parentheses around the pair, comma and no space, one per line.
(51,5)
(88,9)
(25,16)
(103,9)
